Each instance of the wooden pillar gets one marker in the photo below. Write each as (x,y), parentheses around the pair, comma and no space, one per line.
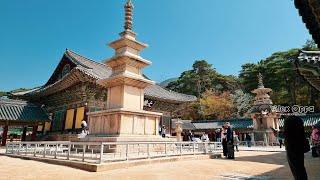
(24,134)
(4,135)
(34,132)
(170,125)
(86,110)
(74,120)
(43,128)
(64,121)
(52,121)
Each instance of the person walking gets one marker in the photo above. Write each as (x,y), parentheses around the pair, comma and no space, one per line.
(224,141)
(236,141)
(218,135)
(163,131)
(280,142)
(190,136)
(296,145)
(248,140)
(279,136)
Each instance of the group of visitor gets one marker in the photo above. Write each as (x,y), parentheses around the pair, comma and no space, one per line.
(227,141)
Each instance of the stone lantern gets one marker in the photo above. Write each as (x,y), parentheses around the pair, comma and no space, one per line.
(178,130)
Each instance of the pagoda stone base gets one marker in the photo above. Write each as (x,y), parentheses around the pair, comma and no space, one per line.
(123,125)
(124,122)
(267,136)
(132,148)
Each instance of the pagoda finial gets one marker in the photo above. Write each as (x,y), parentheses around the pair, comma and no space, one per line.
(260,79)
(128,7)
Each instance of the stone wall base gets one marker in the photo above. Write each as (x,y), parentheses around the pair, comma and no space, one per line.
(132,148)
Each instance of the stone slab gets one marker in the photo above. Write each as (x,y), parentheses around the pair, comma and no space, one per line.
(116,165)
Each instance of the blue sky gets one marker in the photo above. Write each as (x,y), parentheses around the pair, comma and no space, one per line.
(227,33)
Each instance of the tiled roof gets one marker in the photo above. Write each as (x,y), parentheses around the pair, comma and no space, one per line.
(90,67)
(215,124)
(186,124)
(308,120)
(99,71)
(308,61)
(309,56)
(309,13)
(16,110)
(308,66)
(158,92)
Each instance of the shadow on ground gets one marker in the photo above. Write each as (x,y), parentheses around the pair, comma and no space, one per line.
(278,158)
(312,166)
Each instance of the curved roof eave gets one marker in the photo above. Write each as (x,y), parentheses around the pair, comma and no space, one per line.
(89,70)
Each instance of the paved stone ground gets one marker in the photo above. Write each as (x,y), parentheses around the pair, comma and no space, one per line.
(248,165)
(262,148)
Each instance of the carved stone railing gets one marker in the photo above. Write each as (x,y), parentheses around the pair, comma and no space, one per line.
(99,152)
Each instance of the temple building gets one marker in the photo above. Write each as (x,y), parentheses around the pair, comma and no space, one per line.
(308,62)
(243,126)
(17,113)
(80,86)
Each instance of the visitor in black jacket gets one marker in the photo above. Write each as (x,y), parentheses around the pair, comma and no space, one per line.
(229,138)
(296,145)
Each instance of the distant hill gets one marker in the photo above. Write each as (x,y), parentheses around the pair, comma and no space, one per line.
(166,82)
(4,93)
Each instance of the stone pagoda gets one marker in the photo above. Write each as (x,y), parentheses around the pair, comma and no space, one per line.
(125,119)
(264,118)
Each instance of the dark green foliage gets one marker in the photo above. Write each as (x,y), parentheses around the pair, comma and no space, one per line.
(2,93)
(166,82)
(281,76)
(200,78)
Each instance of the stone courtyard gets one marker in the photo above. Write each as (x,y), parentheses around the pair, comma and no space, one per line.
(247,165)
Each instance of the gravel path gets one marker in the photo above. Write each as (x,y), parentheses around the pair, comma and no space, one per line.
(247,165)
